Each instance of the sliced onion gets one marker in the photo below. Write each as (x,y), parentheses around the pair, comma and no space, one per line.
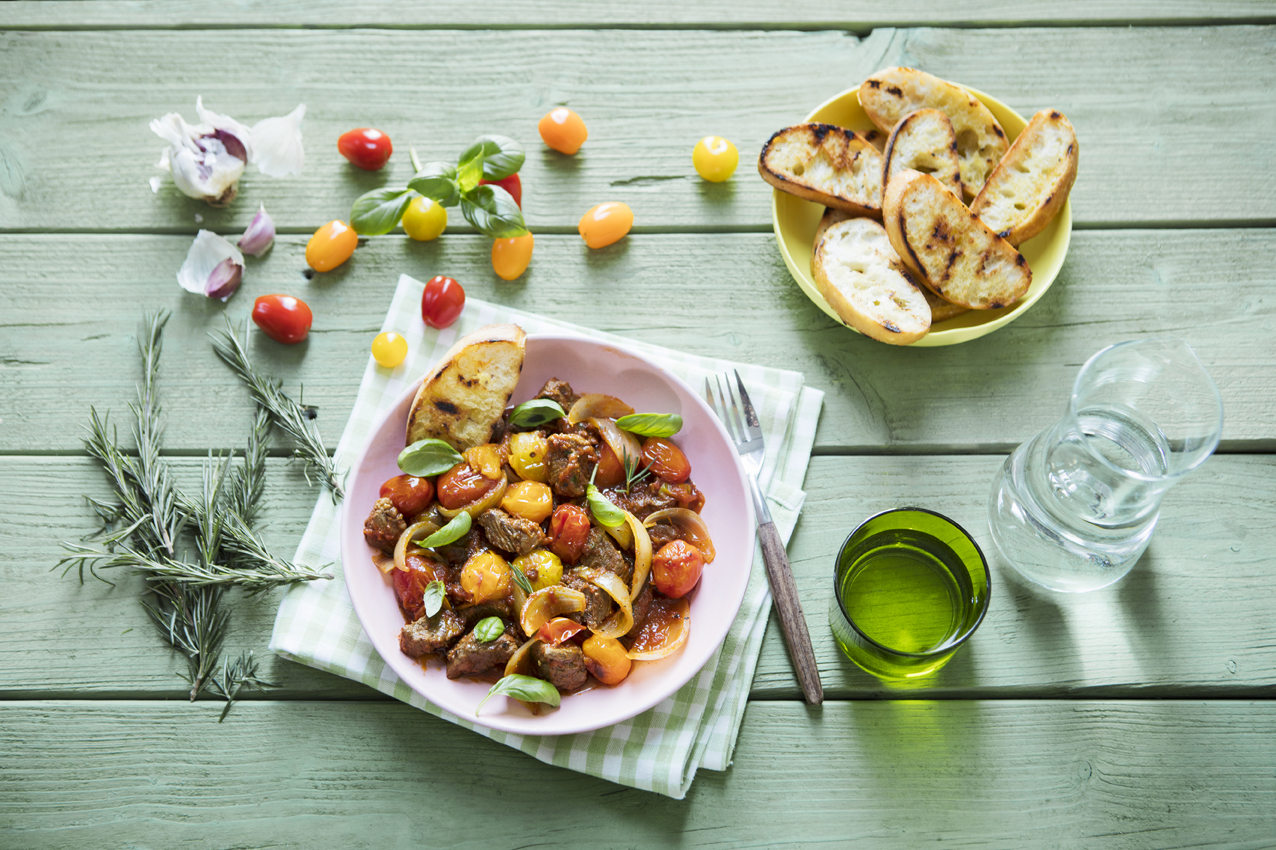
(622,620)
(520,661)
(642,554)
(673,637)
(691,525)
(597,404)
(622,443)
(382,562)
(621,534)
(415,531)
(547,603)
(482,506)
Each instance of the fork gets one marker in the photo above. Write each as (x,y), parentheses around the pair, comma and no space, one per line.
(733,407)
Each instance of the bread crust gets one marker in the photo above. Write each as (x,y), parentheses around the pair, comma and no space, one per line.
(924,141)
(827,164)
(948,248)
(461,399)
(1036,174)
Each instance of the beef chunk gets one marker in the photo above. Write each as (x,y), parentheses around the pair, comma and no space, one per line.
(601,554)
(511,533)
(643,499)
(562,665)
(568,462)
(559,391)
(456,554)
(662,533)
(503,608)
(470,656)
(598,603)
(642,607)
(430,634)
(383,526)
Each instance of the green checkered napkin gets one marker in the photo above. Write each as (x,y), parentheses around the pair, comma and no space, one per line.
(660,749)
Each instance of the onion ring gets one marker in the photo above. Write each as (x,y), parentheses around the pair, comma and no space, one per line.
(482,506)
(690,524)
(622,620)
(597,404)
(642,554)
(547,603)
(516,663)
(425,526)
(622,443)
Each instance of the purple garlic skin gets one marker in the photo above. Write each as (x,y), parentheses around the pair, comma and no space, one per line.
(259,236)
(224,280)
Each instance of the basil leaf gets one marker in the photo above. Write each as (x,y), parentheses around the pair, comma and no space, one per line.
(603,510)
(433,598)
(489,629)
(651,424)
(379,211)
(536,412)
(425,458)
(437,181)
(502,156)
(526,688)
(493,212)
(520,578)
(469,171)
(450,533)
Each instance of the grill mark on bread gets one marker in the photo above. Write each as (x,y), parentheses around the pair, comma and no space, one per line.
(1055,114)
(446,407)
(875,83)
(895,90)
(820,131)
(998,131)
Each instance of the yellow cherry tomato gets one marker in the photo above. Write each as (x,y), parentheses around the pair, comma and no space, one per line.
(715,158)
(542,567)
(511,256)
(425,219)
(331,246)
(606,223)
(529,500)
(486,576)
(563,130)
(389,349)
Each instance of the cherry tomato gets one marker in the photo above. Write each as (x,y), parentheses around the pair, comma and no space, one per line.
(569,532)
(611,472)
(424,219)
(410,584)
(665,460)
(462,485)
(606,658)
(606,223)
(558,630)
(511,256)
(410,494)
(529,500)
(442,301)
(282,318)
(715,158)
(676,568)
(687,495)
(331,246)
(563,130)
(511,184)
(365,147)
(389,349)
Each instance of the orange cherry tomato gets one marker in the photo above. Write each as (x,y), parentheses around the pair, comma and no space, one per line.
(676,568)
(611,472)
(558,630)
(510,257)
(331,246)
(605,224)
(568,532)
(462,485)
(365,147)
(563,130)
(607,659)
(282,318)
(408,493)
(665,460)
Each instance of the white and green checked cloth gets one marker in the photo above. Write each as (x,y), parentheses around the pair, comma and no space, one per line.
(660,749)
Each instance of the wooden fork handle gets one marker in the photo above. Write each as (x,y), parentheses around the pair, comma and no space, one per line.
(784,592)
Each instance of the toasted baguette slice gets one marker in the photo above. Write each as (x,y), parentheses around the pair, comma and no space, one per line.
(940,309)
(874,137)
(1031,183)
(924,141)
(948,248)
(826,164)
(464,396)
(889,95)
(860,276)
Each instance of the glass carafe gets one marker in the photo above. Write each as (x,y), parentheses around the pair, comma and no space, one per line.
(1073,508)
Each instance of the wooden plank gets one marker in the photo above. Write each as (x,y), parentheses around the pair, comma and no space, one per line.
(727,296)
(859,16)
(1001,774)
(1192,619)
(74,109)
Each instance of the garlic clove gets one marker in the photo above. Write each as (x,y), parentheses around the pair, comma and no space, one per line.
(206,161)
(235,136)
(259,236)
(213,267)
(276,144)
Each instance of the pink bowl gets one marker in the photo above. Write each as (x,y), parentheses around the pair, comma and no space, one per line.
(589,366)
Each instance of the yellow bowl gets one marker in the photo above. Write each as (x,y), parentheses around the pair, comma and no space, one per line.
(795,221)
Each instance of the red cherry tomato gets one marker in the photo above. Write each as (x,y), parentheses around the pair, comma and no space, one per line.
(282,318)
(410,584)
(676,568)
(463,485)
(365,147)
(558,630)
(569,532)
(510,184)
(665,460)
(442,301)
(410,494)
(611,472)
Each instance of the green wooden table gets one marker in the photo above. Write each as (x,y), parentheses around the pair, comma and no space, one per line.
(1138,716)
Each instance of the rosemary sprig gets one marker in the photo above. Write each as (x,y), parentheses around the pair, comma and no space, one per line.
(632,474)
(235,677)
(288,414)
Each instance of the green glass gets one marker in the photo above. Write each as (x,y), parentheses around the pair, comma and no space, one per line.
(911,587)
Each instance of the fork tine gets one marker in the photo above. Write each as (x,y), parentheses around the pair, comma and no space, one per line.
(753,427)
(720,407)
(741,425)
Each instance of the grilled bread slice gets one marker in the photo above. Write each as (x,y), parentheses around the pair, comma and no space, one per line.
(941,310)
(860,276)
(463,397)
(826,164)
(924,141)
(948,248)
(889,95)
(874,137)
(1031,183)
